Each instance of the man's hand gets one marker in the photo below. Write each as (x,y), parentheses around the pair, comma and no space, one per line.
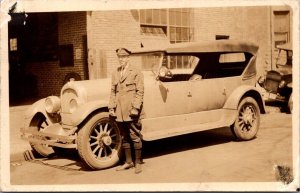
(112,113)
(134,112)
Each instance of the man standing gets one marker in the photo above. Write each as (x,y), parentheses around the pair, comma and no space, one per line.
(126,99)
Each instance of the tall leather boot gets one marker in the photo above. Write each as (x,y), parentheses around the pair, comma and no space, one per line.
(138,161)
(128,163)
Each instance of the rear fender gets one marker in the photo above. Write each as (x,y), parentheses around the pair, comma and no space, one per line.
(84,111)
(241,92)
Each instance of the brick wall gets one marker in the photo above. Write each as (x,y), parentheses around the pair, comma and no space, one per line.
(108,30)
(241,23)
(50,75)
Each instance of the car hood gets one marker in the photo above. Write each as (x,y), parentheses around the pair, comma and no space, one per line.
(89,90)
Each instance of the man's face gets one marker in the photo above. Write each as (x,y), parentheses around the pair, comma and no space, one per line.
(123,60)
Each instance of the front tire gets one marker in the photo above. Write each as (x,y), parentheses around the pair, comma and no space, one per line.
(39,122)
(99,142)
(290,104)
(247,122)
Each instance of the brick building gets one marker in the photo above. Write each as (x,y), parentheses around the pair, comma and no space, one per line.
(54,47)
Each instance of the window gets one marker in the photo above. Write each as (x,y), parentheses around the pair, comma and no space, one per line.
(180,28)
(171,24)
(13,46)
(281,27)
(232,57)
(153,17)
(150,62)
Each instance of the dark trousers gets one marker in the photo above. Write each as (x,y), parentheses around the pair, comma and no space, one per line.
(131,139)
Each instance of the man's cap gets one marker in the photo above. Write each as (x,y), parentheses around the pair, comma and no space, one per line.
(122,52)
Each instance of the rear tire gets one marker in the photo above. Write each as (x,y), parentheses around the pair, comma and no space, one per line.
(247,122)
(99,142)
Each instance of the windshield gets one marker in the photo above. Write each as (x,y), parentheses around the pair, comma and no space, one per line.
(147,62)
(284,58)
(179,64)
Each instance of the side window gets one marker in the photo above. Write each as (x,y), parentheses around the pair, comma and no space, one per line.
(232,57)
(231,64)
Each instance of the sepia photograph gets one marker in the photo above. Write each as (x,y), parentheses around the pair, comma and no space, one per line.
(149,95)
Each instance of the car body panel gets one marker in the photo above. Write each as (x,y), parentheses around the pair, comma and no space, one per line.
(163,127)
(37,108)
(235,97)
(81,113)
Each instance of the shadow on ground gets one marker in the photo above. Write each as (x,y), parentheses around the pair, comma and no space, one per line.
(187,142)
(150,149)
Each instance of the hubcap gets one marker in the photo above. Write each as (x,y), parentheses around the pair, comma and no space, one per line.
(247,117)
(104,140)
(107,140)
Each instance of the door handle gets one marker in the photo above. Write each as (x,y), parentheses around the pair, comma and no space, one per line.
(189,94)
(224,91)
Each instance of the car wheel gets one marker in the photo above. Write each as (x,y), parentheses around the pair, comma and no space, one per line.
(99,142)
(290,104)
(247,122)
(39,122)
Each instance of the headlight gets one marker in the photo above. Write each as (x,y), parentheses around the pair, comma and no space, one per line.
(52,104)
(73,105)
(282,84)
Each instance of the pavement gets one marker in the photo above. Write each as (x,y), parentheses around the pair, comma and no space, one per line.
(18,146)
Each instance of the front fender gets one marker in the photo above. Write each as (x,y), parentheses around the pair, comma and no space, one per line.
(35,108)
(83,112)
(243,91)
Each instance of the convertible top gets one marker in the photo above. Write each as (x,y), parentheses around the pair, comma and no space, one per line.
(204,46)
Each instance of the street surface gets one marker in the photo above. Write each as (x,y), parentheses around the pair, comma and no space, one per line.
(209,156)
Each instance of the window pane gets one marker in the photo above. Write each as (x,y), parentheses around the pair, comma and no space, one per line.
(232,57)
(156,16)
(149,16)
(178,34)
(185,19)
(172,62)
(179,62)
(185,33)
(172,34)
(178,18)
(186,62)
(142,30)
(163,16)
(143,16)
(13,44)
(172,17)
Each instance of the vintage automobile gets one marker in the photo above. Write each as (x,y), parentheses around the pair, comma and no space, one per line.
(189,87)
(277,83)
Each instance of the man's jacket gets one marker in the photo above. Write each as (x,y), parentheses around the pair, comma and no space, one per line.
(127,92)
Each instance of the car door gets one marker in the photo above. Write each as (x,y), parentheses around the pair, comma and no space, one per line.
(166,98)
(206,94)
